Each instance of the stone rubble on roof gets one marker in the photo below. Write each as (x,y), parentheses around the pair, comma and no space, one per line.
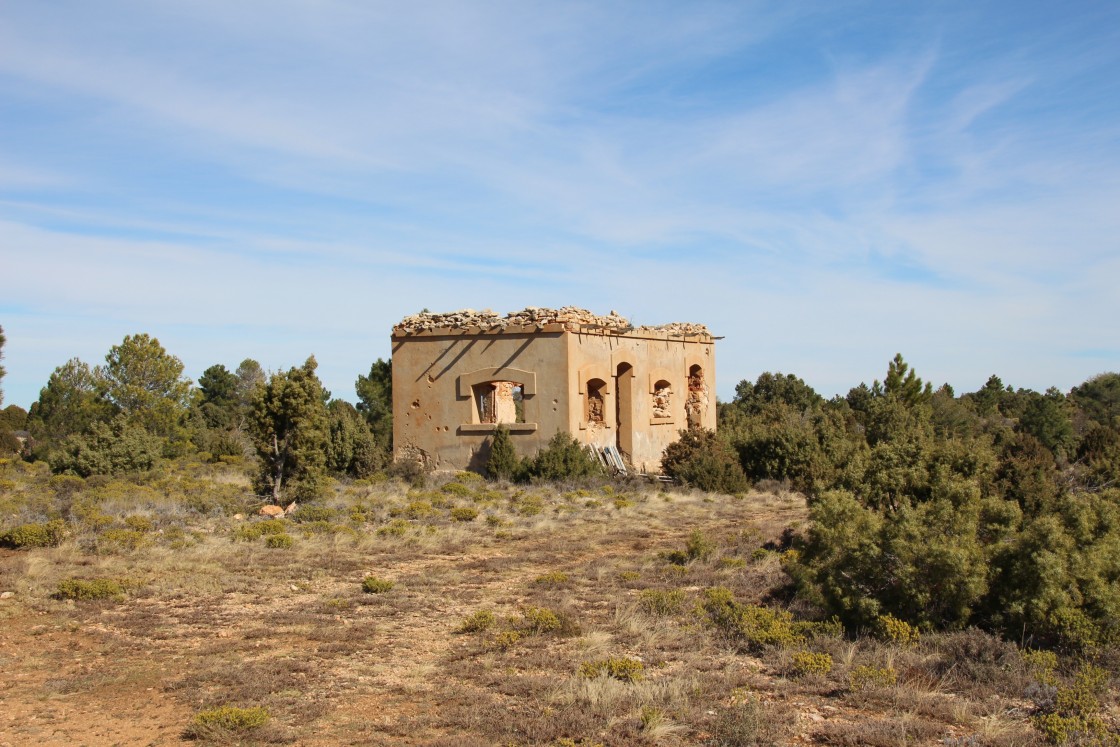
(573,318)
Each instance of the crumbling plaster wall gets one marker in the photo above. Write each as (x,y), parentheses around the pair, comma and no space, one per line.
(647,359)
(435,412)
(599,378)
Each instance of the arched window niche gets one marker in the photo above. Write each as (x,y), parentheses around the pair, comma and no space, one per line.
(663,397)
(696,403)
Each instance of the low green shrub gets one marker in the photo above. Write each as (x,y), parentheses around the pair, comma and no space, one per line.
(626,670)
(457,489)
(750,625)
(1041,664)
(305,514)
(889,628)
(661,601)
(27,536)
(120,540)
(505,640)
(463,513)
(701,459)
(139,523)
(698,547)
(541,620)
(864,677)
(375,585)
(91,589)
(564,458)
(213,721)
(278,541)
(808,663)
(479,622)
(395,528)
(253,531)
(553,578)
(1073,715)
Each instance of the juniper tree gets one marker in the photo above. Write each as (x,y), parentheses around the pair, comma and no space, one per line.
(289,428)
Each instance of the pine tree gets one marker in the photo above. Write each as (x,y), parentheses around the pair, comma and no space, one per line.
(289,427)
(503,462)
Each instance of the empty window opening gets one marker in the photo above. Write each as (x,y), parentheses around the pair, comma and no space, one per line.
(697,403)
(499,402)
(662,399)
(596,405)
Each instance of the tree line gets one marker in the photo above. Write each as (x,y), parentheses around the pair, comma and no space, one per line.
(137,408)
(998,508)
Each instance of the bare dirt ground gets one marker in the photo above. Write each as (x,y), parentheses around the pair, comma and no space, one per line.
(214,622)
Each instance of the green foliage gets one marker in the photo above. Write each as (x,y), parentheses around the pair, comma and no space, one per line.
(1073,715)
(464,513)
(217,399)
(774,388)
(502,463)
(563,459)
(146,385)
(94,589)
(661,601)
(289,426)
(552,578)
(698,547)
(804,663)
(257,529)
(903,382)
(2,370)
(13,418)
(1047,418)
(26,536)
(118,540)
(479,622)
(619,668)
(352,448)
(541,621)
(213,721)
(278,541)
(702,460)
(69,404)
(864,677)
(375,402)
(395,528)
(307,514)
(922,564)
(375,585)
(1099,399)
(890,628)
(749,625)
(456,488)
(117,447)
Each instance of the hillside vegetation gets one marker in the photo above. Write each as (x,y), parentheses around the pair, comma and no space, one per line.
(909,567)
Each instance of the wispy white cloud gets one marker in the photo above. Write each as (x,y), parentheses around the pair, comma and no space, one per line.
(826,187)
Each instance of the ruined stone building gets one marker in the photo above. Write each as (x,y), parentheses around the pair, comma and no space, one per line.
(624,390)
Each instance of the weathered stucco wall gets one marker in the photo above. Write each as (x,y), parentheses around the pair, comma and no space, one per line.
(437,379)
(641,414)
(456,377)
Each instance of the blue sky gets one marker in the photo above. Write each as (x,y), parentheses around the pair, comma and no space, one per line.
(824,184)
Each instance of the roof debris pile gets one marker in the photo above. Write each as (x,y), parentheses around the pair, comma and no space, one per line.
(572,318)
